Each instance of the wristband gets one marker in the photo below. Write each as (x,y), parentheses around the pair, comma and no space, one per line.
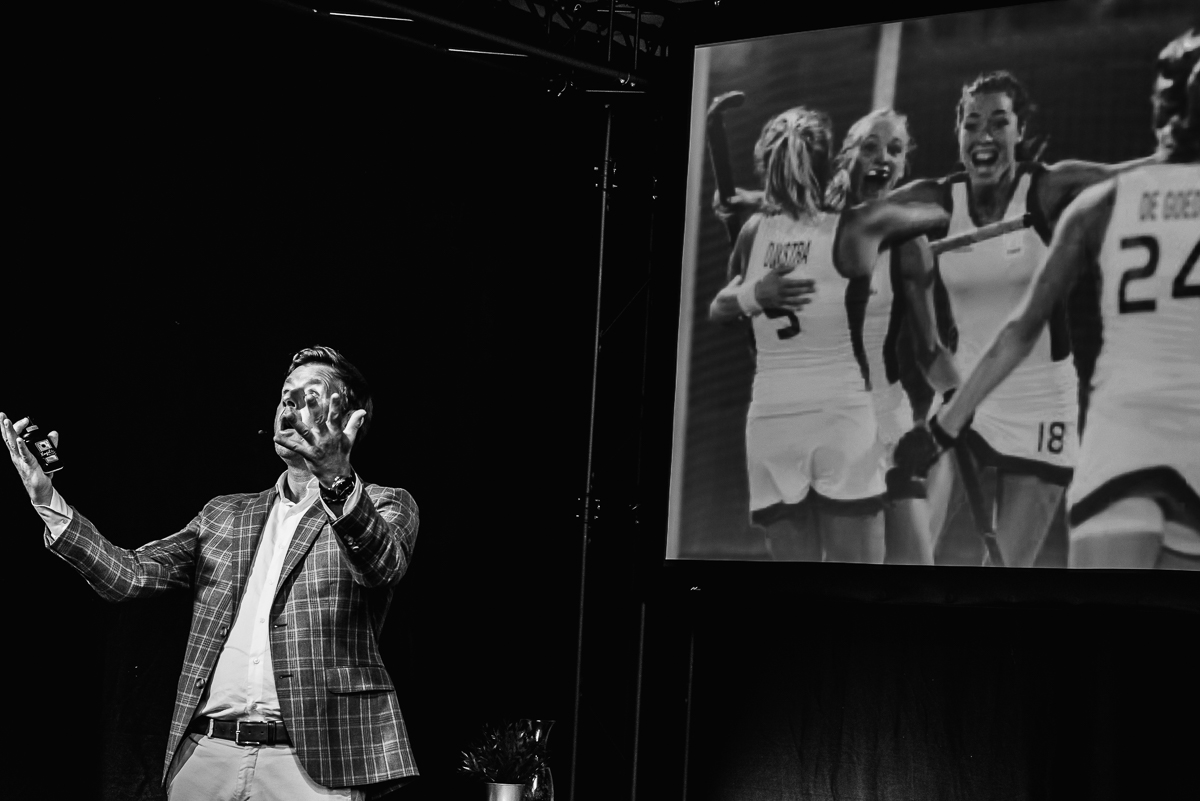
(941,435)
(746,299)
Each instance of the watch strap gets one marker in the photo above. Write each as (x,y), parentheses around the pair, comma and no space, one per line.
(339,490)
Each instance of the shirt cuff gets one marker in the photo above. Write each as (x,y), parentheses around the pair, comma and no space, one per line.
(57,515)
(350,501)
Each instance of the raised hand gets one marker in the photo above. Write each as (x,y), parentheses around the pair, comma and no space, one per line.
(36,482)
(325,444)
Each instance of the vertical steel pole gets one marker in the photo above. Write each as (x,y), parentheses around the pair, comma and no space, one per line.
(605,185)
(612,20)
(637,35)
(687,730)
(637,701)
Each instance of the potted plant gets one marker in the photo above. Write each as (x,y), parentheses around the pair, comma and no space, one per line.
(506,758)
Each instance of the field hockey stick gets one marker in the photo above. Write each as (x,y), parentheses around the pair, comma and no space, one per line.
(718,152)
(981,233)
(979,510)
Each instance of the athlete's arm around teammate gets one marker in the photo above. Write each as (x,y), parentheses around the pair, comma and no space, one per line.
(903,220)
(916,211)
(867,229)
(775,290)
(1063,181)
(933,357)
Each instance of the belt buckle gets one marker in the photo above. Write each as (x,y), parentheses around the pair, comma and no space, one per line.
(263,740)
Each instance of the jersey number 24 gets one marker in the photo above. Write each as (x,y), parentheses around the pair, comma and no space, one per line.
(1180,288)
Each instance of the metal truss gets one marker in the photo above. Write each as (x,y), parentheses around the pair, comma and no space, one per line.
(595,45)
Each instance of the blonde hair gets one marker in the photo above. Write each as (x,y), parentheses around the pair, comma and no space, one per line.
(783,156)
(837,195)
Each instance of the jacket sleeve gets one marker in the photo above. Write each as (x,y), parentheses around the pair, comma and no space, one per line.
(378,535)
(119,574)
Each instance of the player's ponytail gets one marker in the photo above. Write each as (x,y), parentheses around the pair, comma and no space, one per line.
(792,157)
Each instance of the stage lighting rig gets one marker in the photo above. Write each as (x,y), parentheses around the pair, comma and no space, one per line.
(604,46)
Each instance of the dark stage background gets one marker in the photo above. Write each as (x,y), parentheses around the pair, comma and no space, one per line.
(205,189)
(201,190)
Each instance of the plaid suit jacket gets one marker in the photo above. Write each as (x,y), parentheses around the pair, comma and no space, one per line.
(337,699)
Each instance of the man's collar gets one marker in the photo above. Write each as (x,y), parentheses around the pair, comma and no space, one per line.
(311,488)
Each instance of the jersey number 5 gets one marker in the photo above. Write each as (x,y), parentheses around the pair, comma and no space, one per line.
(1180,288)
(793,327)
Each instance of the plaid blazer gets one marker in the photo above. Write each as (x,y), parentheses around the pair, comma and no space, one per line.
(334,591)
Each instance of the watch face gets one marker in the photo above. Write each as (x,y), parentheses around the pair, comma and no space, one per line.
(340,490)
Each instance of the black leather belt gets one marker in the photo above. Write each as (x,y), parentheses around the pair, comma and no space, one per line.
(243,732)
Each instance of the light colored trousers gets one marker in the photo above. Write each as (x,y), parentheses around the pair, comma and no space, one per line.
(210,769)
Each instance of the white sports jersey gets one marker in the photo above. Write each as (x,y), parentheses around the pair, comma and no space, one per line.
(1144,410)
(1032,414)
(805,360)
(892,408)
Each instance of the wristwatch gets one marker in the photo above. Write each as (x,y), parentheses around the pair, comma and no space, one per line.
(339,490)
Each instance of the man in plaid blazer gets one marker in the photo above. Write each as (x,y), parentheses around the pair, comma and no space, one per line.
(283,693)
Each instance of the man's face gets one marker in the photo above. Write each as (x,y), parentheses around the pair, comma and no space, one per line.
(308,381)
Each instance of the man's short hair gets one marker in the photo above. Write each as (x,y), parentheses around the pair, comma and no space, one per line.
(358,391)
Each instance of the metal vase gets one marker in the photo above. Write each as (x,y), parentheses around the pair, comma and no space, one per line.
(505,792)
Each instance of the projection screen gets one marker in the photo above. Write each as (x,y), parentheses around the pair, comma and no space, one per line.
(758,474)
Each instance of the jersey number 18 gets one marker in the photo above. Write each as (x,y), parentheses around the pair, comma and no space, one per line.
(1050,437)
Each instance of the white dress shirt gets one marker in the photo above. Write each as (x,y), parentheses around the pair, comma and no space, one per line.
(242,686)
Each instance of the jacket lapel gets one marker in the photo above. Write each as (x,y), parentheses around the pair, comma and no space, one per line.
(306,533)
(246,532)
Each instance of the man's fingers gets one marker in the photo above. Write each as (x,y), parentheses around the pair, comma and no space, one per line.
(53,438)
(6,431)
(293,421)
(23,451)
(315,410)
(305,433)
(336,405)
(356,421)
(293,442)
(14,443)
